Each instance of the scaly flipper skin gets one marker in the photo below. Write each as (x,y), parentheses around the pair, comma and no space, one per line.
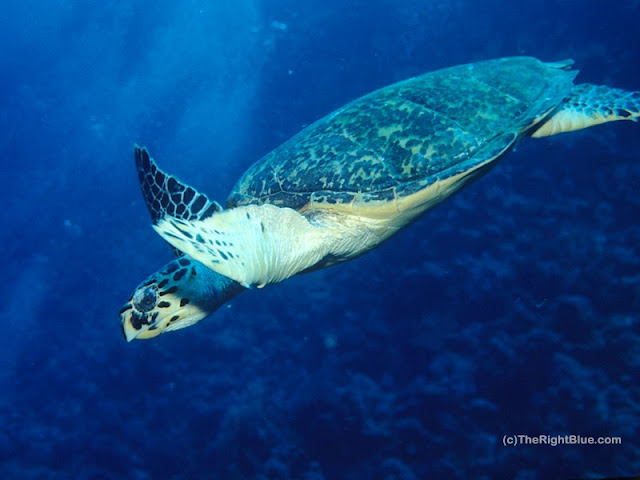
(166,195)
(255,245)
(180,294)
(590,105)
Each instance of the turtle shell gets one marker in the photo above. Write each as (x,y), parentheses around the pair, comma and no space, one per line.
(402,138)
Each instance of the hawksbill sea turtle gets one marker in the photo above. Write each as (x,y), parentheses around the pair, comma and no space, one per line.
(351,180)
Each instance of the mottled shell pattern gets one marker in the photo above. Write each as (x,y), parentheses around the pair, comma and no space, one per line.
(402,138)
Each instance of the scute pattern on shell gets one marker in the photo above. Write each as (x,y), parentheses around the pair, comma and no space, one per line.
(402,138)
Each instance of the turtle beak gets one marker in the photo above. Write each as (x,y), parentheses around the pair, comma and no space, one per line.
(136,325)
(144,330)
(128,331)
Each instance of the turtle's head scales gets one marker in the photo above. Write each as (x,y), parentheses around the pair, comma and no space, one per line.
(179,295)
(161,302)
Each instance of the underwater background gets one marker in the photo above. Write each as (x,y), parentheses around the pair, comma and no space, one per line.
(512,309)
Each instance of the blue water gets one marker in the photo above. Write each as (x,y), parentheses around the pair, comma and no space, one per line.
(513,309)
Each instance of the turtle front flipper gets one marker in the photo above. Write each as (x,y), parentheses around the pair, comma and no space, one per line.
(165,195)
(254,245)
(590,105)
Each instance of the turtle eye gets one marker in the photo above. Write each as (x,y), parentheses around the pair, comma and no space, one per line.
(146,298)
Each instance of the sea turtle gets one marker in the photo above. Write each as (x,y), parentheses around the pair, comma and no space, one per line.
(351,180)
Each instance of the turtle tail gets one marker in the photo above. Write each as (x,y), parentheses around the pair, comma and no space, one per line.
(590,105)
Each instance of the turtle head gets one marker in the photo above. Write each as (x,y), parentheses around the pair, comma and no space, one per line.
(179,295)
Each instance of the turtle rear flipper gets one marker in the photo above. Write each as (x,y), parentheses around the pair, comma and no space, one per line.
(590,105)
